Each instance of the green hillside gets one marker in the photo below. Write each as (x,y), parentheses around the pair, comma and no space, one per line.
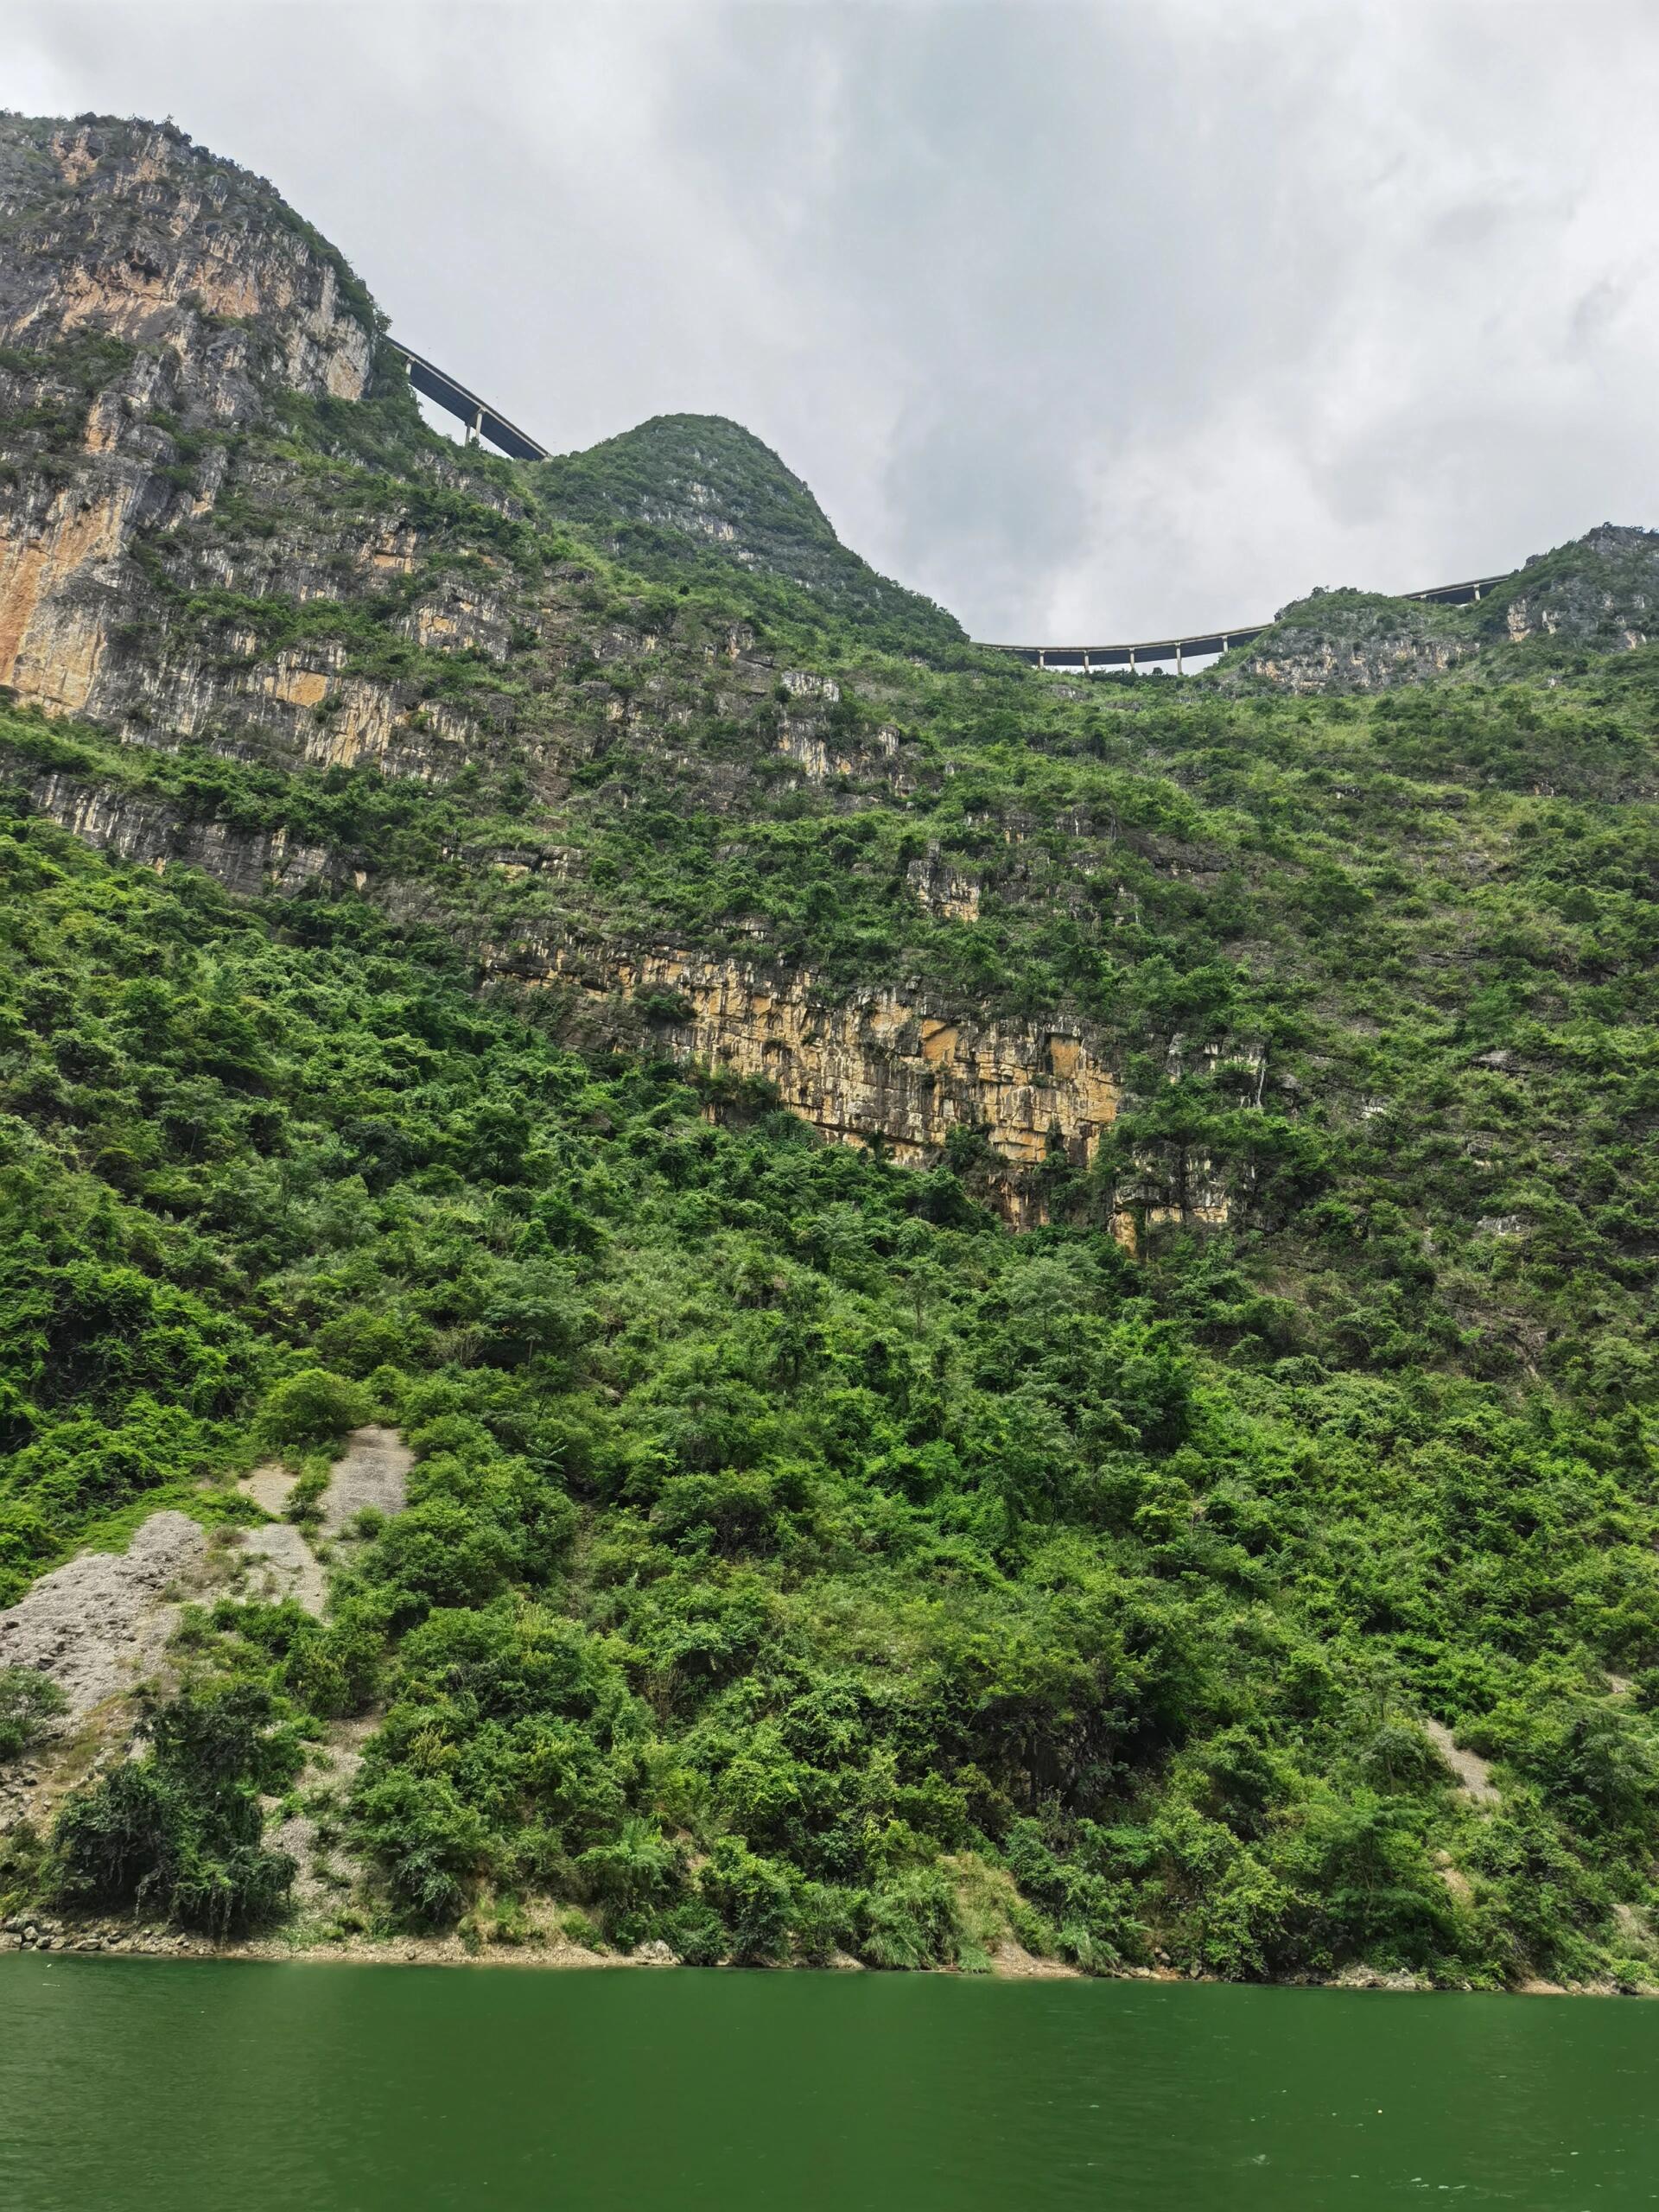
(684,493)
(802,1558)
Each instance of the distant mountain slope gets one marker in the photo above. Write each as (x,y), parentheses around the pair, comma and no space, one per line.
(1598,594)
(697,485)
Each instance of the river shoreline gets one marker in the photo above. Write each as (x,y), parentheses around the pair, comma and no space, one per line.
(1010,1962)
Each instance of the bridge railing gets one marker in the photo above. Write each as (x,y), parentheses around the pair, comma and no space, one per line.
(480,418)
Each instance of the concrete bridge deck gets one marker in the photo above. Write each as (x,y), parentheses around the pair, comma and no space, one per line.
(480,420)
(1204,643)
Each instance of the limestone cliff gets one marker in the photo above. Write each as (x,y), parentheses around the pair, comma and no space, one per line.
(1349,641)
(150,296)
(879,1068)
(155,835)
(1601,591)
(128,231)
(225,537)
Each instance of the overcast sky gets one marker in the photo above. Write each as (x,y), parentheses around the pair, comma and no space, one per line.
(1106,319)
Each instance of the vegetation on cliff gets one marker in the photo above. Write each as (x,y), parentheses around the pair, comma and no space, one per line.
(781,1509)
(1598,594)
(685,493)
(799,1557)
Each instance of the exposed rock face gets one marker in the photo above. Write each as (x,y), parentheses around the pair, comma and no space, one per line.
(191,290)
(942,889)
(1349,641)
(1600,591)
(301,705)
(76,497)
(1603,590)
(145,237)
(85,632)
(100,1623)
(821,760)
(880,1067)
(142,829)
(372,1473)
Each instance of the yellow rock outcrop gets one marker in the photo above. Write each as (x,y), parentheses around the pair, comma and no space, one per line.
(50,643)
(876,1068)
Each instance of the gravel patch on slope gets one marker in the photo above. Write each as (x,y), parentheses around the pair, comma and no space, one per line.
(373,1472)
(279,1558)
(99,1624)
(1474,1776)
(281,1564)
(270,1487)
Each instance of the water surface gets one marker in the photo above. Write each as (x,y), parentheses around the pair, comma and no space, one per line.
(132,2085)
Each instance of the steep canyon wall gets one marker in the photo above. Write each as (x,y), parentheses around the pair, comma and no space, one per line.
(135,488)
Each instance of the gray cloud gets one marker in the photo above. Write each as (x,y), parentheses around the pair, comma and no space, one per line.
(1102,318)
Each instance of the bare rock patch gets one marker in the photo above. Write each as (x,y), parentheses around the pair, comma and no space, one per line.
(372,1473)
(270,1486)
(100,1623)
(1474,1775)
(282,1565)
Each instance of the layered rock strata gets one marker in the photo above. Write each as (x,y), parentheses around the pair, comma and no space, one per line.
(879,1068)
(127,237)
(882,1069)
(152,834)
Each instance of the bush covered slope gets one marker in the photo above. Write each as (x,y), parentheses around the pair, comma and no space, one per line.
(800,1558)
(780,1508)
(689,491)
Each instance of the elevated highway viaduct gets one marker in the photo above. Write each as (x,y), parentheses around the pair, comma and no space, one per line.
(1204,644)
(479,418)
(481,421)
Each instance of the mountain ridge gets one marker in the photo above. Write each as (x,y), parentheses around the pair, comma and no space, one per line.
(705,480)
(1597,592)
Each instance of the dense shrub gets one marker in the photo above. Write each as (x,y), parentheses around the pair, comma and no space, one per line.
(313,1407)
(911,1921)
(179,1831)
(750,1896)
(427,1841)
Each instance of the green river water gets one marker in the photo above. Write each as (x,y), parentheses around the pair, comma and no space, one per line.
(128,2085)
